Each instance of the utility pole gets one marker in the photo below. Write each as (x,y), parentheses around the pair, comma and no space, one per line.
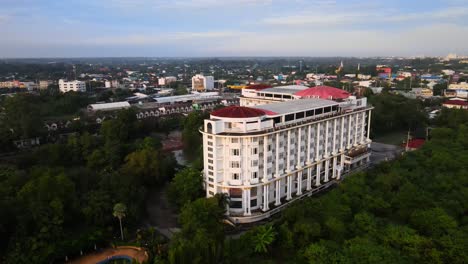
(407,141)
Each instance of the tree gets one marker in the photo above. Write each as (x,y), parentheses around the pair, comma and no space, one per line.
(119,211)
(201,238)
(185,187)
(264,236)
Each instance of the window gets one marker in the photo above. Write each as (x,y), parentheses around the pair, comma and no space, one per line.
(254,151)
(210,149)
(210,161)
(210,143)
(289,117)
(209,128)
(319,111)
(235,164)
(269,147)
(235,176)
(254,175)
(235,152)
(300,115)
(235,204)
(210,167)
(277,120)
(310,113)
(253,203)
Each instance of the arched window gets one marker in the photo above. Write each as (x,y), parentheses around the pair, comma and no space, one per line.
(209,128)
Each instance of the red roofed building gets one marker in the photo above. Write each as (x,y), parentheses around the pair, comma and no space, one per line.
(259,86)
(238,112)
(414,144)
(456,104)
(324,92)
(253,97)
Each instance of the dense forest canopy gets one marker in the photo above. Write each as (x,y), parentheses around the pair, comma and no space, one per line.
(411,210)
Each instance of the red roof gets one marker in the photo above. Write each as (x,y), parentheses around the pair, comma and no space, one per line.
(416,143)
(259,86)
(237,112)
(324,92)
(456,102)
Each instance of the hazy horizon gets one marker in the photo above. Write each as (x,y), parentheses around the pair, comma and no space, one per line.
(232,28)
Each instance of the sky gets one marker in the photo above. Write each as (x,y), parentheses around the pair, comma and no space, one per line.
(201,28)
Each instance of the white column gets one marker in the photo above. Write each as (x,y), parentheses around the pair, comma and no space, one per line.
(299,143)
(363,127)
(368,125)
(244,201)
(308,144)
(326,138)
(342,158)
(277,155)
(334,137)
(278,192)
(317,177)
(226,192)
(226,155)
(309,178)
(317,145)
(342,134)
(248,201)
(327,169)
(299,182)
(265,157)
(334,167)
(356,130)
(348,145)
(288,155)
(289,187)
(265,197)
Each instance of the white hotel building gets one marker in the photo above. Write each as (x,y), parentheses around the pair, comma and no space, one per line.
(267,155)
(75,86)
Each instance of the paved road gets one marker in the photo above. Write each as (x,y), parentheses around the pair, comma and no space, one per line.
(383,152)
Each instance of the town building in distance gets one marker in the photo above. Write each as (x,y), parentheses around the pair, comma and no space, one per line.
(289,142)
(75,86)
(202,83)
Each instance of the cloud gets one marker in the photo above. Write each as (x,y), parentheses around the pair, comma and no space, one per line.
(4,18)
(321,17)
(145,5)
(429,40)
(162,38)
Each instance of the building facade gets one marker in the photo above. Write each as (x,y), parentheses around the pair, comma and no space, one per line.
(44,84)
(267,155)
(75,86)
(202,83)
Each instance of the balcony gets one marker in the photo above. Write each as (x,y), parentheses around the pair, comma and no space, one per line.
(357,155)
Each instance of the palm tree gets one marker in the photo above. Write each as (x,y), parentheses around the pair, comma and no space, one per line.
(119,212)
(264,236)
